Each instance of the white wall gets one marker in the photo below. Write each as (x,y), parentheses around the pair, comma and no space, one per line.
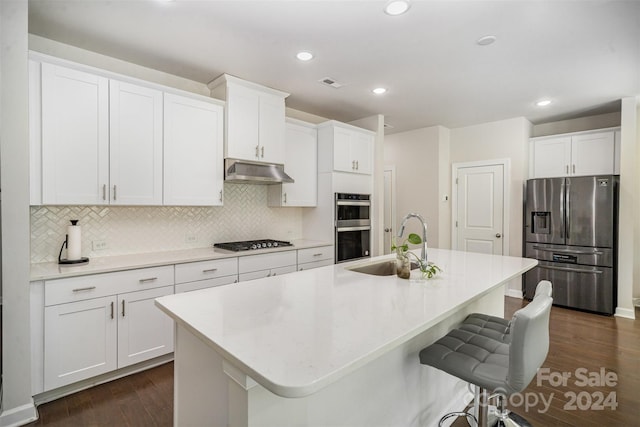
(17,404)
(499,140)
(629,242)
(416,157)
(599,121)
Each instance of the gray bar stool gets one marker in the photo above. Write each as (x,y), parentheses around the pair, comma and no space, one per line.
(496,355)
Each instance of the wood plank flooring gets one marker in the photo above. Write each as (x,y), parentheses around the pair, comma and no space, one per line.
(578,340)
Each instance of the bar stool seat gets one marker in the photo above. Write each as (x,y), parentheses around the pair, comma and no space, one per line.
(496,356)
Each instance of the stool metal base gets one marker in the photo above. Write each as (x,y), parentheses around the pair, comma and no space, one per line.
(459,414)
(512,420)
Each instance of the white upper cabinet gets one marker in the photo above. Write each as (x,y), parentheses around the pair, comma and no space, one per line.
(254,120)
(586,153)
(135,144)
(193,132)
(75,136)
(301,160)
(345,148)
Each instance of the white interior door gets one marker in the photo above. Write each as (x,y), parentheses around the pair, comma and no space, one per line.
(480,214)
(389,211)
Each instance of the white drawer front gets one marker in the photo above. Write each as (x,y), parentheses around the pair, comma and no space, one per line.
(204,284)
(267,273)
(204,270)
(315,264)
(80,288)
(315,254)
(270,261)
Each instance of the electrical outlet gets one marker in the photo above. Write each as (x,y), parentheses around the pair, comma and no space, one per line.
(190,238)
(99,245)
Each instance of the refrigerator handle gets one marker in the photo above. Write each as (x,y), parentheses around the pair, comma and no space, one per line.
(568,210)
(562,207)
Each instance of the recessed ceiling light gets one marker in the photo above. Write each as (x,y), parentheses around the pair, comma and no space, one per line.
(379,90)
(543,102)
(397,7)
(486,40)
(304,56)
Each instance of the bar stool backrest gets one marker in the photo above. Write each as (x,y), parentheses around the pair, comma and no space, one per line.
(529,339)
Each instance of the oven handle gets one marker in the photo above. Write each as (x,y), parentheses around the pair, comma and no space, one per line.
(572,270)
(567,251)
(353,202)
(338,230)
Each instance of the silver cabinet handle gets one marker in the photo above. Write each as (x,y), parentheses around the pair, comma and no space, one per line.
(262,151)
(357,165)
(319,254)
(498,235)
(210,270)
(566,168)
(220,195)
(353,165)
(285,198)
(104,191)
(88,288)
(567,251)
(149,279)
(235,281)
(301,268)
(114,192)
(112,309)
(257,151)
(572,270)
(122,308)
(273,274)
(574,169)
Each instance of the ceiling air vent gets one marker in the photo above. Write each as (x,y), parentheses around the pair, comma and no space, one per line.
(328,81)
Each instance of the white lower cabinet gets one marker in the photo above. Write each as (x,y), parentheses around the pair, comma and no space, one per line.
(193,276)
(98,323)
(266,265)
(315,257)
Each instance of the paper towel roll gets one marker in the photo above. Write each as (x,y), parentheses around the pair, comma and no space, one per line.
(74,242)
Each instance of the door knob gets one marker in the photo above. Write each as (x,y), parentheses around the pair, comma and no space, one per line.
(498,235)
(387,230)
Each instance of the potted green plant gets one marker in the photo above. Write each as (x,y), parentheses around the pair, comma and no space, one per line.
(403,259)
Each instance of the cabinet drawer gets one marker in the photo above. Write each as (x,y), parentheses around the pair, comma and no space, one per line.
(267,273)
(203,270)
(80,288)
(270,261)
(315,264)
(315,254)
(204,284)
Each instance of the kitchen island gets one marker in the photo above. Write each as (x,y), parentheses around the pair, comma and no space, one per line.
(328,347)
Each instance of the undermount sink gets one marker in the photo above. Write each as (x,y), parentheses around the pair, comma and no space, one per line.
(382,268)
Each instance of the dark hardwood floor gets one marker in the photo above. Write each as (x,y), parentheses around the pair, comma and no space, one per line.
(578,340)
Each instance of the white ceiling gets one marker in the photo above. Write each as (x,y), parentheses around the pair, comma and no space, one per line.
(584,55)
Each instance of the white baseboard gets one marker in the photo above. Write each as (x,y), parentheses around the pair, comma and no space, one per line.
(19,416)
(629,313)
(514,293)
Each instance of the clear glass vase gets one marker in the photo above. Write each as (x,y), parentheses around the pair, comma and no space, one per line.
(403,266)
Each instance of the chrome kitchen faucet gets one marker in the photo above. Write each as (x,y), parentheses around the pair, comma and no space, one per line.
(423,254)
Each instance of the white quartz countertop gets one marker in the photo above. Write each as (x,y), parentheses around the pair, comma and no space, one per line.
(296,333)
(53,270)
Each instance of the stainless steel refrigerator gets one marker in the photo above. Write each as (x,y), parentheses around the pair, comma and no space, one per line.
(571,228)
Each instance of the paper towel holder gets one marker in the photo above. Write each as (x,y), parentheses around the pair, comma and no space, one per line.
(82,260)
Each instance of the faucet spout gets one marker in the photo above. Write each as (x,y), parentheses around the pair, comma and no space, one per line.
(423,254)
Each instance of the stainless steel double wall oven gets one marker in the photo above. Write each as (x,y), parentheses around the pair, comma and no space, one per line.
(353,226)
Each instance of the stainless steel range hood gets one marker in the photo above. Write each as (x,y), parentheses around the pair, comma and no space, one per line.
(253,172)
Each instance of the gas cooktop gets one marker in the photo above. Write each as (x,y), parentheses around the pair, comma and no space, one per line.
(248,245)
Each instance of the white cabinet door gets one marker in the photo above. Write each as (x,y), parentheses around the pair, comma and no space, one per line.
(301,163)
(193,132)
(272,129)
(342,159)
(135,144)
(593,154)
(75,136)
(79,341)
(243,124)
(144,331)
(551,157)
(362,152)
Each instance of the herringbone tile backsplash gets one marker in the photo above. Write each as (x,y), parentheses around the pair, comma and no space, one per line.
(126,230)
